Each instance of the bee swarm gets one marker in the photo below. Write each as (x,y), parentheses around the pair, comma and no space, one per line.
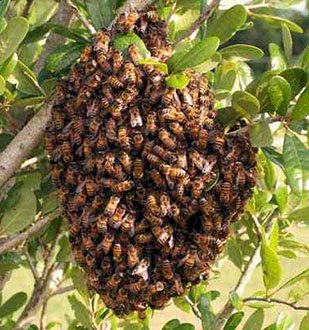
(148,180)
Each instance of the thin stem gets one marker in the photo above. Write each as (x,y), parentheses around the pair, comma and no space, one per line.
(81,17)
(31,265)
(202,18)
(64,290)
(172,11)
(16,240)
(277,301)
(43,315)
(194,308)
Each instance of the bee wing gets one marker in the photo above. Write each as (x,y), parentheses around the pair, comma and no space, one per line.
(80,187)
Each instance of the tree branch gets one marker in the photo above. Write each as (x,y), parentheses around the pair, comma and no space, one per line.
(32,267)
(81,17)
(63,290)
(202,18)
(276,301)
(16,240)
(194,308)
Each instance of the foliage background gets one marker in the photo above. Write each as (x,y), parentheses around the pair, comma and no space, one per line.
(280,205)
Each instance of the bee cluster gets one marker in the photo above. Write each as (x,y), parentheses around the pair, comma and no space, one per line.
(147,179)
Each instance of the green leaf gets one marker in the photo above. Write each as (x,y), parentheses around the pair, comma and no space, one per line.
(199,53)
(269,174)
(281,194)
(64,253)
(2,85)
(301,109)
(234,320)
(123,41)
(279,92)
(78,278)
(228,23)
(274,156)
(300,215)
(100,12)
(80,311)
(3,24)
(64,56)
(270,265)
(209,64)
(182,304)
(246,104)
(204,306)
(272,326)
(12,36)
(235,300)
(225,75)
(287,41)
(255,321)
(260,134)
(234,252)
(27,101)
(276,58)
(185,326)
(71,33)
(162,66)
(30,181)
(284,322)
(227,116)
(50,203)
(171,325)
(278,21)
(296,163)
(21,214)
(177,80)
(299,277)
(297,78)
(24,79)
(4,5)
(13,304)
(287,254)
(274,236)
(240,52)
(304,325)
(7,265)
(9,65)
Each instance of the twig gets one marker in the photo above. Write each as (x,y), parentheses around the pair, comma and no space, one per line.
(172,11)
(202,18)
(276,301)
(81,17)
(194,308)
(31,265)
(63,290)
(43,315)
(130,5)
(16,240)
(48,260)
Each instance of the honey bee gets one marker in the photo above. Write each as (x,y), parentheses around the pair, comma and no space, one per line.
(102,224)
(87,242)
(127,21)
(135,117)
(154,288)
(107,242)
(176,128)
(164,154)
(166,139)
(136,286)
(107,92)
(122,296)
(173,114)
(251,176)
(225,192)
(85,56)
(219,144)
(133,258)
(155,94)
(128,95)
(138,169)
(207,224)
(165,205)
(102,40)
(177,287)
(93,281)
(58,120)
(165,235)
(80,199)
(117,61)
(108,301)
(50,143)
(125,161)
(218,223)
(78,125)
(143,238)
(203,85)
(167,269)
(119,173)
(157,178)
(202,139)
(116,220)
(177,173)
(114,281)
(206,205)
(74,229)
(151,126)
(56,175)
(101,142)
(129,74)
(142,269)
(241,174)
(152,206)
(123,137)
(121,187)
(127,225)
(153,159)
(115,82)
(138,140)
(205,165)
(111,206)
(189,260)
(134,54)
(117,252)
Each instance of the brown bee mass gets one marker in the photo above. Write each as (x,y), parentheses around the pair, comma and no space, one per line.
(147,178)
